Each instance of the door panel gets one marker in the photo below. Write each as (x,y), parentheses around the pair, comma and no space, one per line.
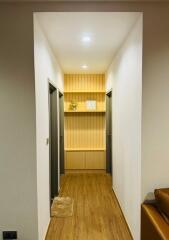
(95,160)
(61,111)
(109,133)
(53,143)
(75,160)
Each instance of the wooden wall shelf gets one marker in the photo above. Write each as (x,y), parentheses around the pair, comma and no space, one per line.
(84,149)
(83,91)
(85,111)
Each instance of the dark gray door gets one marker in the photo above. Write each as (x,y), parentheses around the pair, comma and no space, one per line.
(53,142)
(61,110)
(109,132)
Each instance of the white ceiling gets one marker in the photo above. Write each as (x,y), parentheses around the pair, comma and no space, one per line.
(66,30)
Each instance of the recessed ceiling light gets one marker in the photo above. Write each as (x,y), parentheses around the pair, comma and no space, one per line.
(84,66)
(86,39)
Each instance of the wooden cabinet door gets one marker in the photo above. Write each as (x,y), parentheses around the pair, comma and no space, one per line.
(75,160)
(95,160)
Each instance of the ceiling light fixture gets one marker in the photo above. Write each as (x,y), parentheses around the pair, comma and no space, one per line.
(84,66)
(86,39)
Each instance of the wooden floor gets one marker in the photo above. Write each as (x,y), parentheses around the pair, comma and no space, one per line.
(96,213)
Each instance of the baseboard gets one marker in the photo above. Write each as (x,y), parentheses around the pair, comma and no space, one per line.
(122,214)
(48,228)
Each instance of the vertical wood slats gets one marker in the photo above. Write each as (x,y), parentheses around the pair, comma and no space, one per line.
(84,82)
(84,130)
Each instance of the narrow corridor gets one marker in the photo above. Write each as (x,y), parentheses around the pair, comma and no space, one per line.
(96,216)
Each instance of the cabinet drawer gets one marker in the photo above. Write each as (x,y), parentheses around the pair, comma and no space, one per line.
(74,160)
(95,160)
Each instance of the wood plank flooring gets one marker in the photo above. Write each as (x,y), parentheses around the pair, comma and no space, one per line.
(96,212)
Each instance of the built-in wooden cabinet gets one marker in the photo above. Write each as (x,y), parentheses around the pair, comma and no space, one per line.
(75,160)
(84,129)
(95,160)
(92,160)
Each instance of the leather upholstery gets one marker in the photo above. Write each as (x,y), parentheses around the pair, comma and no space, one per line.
(162,198)
(153,225)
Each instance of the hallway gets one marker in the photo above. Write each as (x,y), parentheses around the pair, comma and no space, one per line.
(86,57)
(96,212)
(45,43)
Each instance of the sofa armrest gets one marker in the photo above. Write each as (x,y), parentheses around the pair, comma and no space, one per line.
(153,225)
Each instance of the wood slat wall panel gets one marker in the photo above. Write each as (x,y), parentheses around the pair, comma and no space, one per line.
(84,130)
(84,82)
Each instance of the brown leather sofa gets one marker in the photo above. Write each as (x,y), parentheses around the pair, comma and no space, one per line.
(155,217)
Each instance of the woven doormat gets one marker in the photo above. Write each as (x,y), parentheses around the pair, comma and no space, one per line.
(62,207)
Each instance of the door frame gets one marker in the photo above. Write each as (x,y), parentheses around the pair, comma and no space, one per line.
(58,125)
(108,94)
(61,171)
(53,138)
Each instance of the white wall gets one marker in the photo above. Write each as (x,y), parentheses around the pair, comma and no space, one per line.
(155,113)
(46,67)
(126,75)
(109,75)
(18,187)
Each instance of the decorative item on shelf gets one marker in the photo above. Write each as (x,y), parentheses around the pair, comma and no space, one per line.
(91,105)
(73,105)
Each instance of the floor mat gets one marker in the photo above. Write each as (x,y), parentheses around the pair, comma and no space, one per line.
(62,207)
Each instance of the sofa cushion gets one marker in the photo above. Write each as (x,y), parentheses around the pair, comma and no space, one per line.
(162,198)
(153,225)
